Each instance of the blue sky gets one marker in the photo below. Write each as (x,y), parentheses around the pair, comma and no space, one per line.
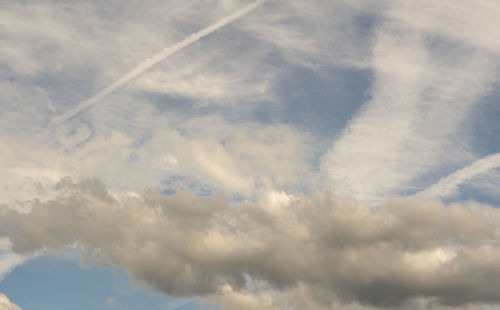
(57,282)
(236,154)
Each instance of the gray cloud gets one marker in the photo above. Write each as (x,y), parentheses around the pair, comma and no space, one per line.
(186,245)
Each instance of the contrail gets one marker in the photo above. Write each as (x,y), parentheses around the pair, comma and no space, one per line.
(148,63)
(448,185)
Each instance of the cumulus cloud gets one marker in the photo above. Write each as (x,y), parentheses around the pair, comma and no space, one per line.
(6,304)
(337,250)
(206,152)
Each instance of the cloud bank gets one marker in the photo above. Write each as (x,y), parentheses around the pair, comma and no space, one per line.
(186,245)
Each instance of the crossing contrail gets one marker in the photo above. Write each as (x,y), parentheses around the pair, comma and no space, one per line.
(150,62)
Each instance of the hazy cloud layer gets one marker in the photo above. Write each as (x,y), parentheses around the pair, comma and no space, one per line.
(341,250)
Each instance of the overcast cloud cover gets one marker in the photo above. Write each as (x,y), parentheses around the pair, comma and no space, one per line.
(257,155)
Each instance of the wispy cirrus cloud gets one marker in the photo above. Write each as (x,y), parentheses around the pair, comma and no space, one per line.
(151,61)
(426,81)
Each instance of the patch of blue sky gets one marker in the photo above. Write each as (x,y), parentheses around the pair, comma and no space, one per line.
(322,104)
(484,125)
(52,282)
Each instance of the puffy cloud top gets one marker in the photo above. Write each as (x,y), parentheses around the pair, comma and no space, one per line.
(340,250)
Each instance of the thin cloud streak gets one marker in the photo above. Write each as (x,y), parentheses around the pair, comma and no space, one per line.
(148,63)
(448,185)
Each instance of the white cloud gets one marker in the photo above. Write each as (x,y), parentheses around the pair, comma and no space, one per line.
(448,185)
(241,159)
(474,24)
(6,304)
(229,299)
(150,62)
(426,81)
(8,259)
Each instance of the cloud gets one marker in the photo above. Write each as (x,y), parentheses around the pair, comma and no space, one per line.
(186,245)
(66,62)
(6,304)
(305,34)
(142,127)
(204,154)
(8,260)
(427,79)
(63,62)
(467,23)
(153,60)
(230,299)
(211,119)
(448,185)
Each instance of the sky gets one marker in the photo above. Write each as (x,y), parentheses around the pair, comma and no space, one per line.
(239,154)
